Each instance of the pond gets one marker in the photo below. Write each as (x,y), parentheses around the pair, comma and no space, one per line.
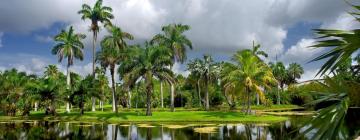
(143,131)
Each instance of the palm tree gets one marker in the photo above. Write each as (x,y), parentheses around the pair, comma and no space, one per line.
(174,38)
(113,52)
(339,92)
(51,71)
(249,74)
(101,85)
(343,43)
(109,57)
(257,52)
(97,13)
(68,45)
(280,73)
(294,72)
(207,70)
(147,63)
(195,68)
(12,87)
(117,39)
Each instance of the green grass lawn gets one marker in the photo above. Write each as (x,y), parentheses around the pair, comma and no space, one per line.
(220,114)
(192,116)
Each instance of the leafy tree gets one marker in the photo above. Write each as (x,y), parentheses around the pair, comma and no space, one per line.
(68,45)
(173,37)
(147,63)
(84,91)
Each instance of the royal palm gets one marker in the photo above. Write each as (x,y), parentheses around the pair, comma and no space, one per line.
(173,37)
(97,13)
(69,46)
(147,63)
(112,52)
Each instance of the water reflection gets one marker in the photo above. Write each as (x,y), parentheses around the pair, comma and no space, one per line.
(73,130)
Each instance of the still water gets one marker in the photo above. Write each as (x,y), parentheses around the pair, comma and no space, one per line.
(34,130)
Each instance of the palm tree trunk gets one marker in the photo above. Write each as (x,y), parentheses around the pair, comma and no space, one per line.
(278,95)
(199,92)
(114,104)
(68,84)
(257,99)
(149,90)
(249,102)
(93,107)
(161,94)
(172,97)
(129,93)
(207,95)
(36,106)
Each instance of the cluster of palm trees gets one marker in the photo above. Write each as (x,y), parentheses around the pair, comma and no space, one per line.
(245,76)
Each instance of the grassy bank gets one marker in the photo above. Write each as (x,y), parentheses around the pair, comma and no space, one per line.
(193,116)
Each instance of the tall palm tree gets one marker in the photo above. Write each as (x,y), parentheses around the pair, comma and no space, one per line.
(280,73)
(117,39)
(147,63)
(248,74)
(68,45)
(194,67)
(109,57)
(97,13)
(294,72)
(174,38)
(112,52)
(207,70)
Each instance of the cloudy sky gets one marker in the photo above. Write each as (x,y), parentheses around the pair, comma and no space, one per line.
(218,27)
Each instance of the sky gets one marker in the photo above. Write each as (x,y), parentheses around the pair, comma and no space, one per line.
(218,27)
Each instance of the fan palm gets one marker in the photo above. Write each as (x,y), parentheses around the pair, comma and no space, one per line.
(339,94)
(249,74)
(68,45)
(147,63)
(343,43)
(174,38)
(12,87)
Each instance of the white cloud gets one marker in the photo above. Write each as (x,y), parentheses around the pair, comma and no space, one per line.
(220,27)
(178,69)
(301,52)
(43,39)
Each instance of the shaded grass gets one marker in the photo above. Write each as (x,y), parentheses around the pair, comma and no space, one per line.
(191,116)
